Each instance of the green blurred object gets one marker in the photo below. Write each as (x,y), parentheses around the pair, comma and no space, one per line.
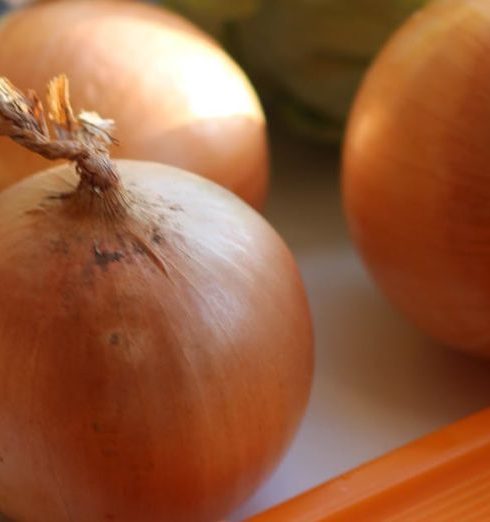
(306,57)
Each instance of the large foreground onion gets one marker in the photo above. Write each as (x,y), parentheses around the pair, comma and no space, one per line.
(416,172)
(155,340)
(193,106)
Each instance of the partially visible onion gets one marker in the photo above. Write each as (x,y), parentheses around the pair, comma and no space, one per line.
(155,339)
(194,106)
(416,172)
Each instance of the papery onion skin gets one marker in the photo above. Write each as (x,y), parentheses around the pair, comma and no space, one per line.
(140,63)
(154,365)
(416,172)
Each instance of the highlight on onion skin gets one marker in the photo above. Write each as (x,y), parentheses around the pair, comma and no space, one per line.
(194,107)
(155,338)
(415,172)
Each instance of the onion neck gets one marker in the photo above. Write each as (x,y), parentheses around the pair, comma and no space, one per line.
(97,171)
(100,189)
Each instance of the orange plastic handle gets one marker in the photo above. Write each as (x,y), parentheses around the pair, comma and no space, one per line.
(443,477)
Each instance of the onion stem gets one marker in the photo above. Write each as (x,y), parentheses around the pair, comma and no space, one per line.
(83,139)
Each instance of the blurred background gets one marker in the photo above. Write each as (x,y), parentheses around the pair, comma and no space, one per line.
(317,51)
(378,383)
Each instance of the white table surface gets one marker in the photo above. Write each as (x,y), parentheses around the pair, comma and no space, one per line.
(378,382)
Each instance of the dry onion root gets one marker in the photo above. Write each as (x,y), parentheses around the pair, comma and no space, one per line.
(155,338)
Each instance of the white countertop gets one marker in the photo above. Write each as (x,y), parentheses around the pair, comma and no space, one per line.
(378,383)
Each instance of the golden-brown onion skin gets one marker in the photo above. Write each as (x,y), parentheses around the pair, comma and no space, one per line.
(416,172)
(153,367)
(176,97)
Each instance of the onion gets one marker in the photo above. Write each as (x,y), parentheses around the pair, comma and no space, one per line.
(194,107)
(155,338)
(416,162)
